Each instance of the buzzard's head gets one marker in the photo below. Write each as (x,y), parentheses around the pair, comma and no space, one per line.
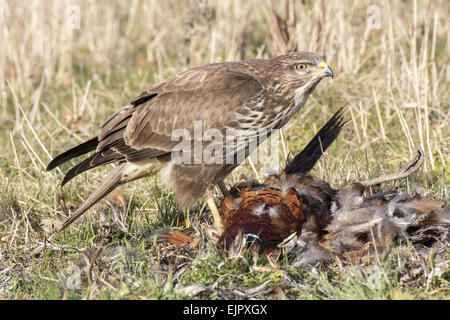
(297,72)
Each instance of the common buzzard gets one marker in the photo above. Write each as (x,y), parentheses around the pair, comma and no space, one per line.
(241,99)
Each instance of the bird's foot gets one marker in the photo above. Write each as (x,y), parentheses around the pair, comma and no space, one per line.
(217,218)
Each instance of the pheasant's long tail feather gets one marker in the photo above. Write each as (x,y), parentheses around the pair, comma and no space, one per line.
(111,181)
(307,158)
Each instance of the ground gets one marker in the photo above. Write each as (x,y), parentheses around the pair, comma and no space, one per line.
(66,66)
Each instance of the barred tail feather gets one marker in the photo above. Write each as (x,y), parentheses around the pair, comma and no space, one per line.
(308,157)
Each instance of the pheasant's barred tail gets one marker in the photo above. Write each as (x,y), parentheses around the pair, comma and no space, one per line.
(307,158)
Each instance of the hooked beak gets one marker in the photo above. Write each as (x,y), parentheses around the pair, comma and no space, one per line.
(326,70)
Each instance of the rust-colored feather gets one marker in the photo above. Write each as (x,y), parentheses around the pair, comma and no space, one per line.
(328,222)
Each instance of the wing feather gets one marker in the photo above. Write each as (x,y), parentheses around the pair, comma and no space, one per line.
(215,95)
(212,100)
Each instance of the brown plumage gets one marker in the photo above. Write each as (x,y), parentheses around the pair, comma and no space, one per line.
(238,99)
(325,221)
(279,207)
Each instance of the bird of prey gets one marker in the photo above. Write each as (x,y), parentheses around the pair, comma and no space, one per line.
(237,99)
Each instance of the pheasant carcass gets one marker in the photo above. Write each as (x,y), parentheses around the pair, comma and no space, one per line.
(319,221)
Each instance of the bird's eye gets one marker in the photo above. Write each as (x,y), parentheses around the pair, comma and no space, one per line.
(301,67)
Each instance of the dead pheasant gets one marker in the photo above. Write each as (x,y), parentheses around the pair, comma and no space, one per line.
(272,211)
(318,220)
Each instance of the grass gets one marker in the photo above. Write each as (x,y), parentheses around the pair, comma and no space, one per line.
(58,84)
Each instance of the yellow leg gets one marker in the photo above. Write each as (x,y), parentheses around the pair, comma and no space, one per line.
(217,218)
